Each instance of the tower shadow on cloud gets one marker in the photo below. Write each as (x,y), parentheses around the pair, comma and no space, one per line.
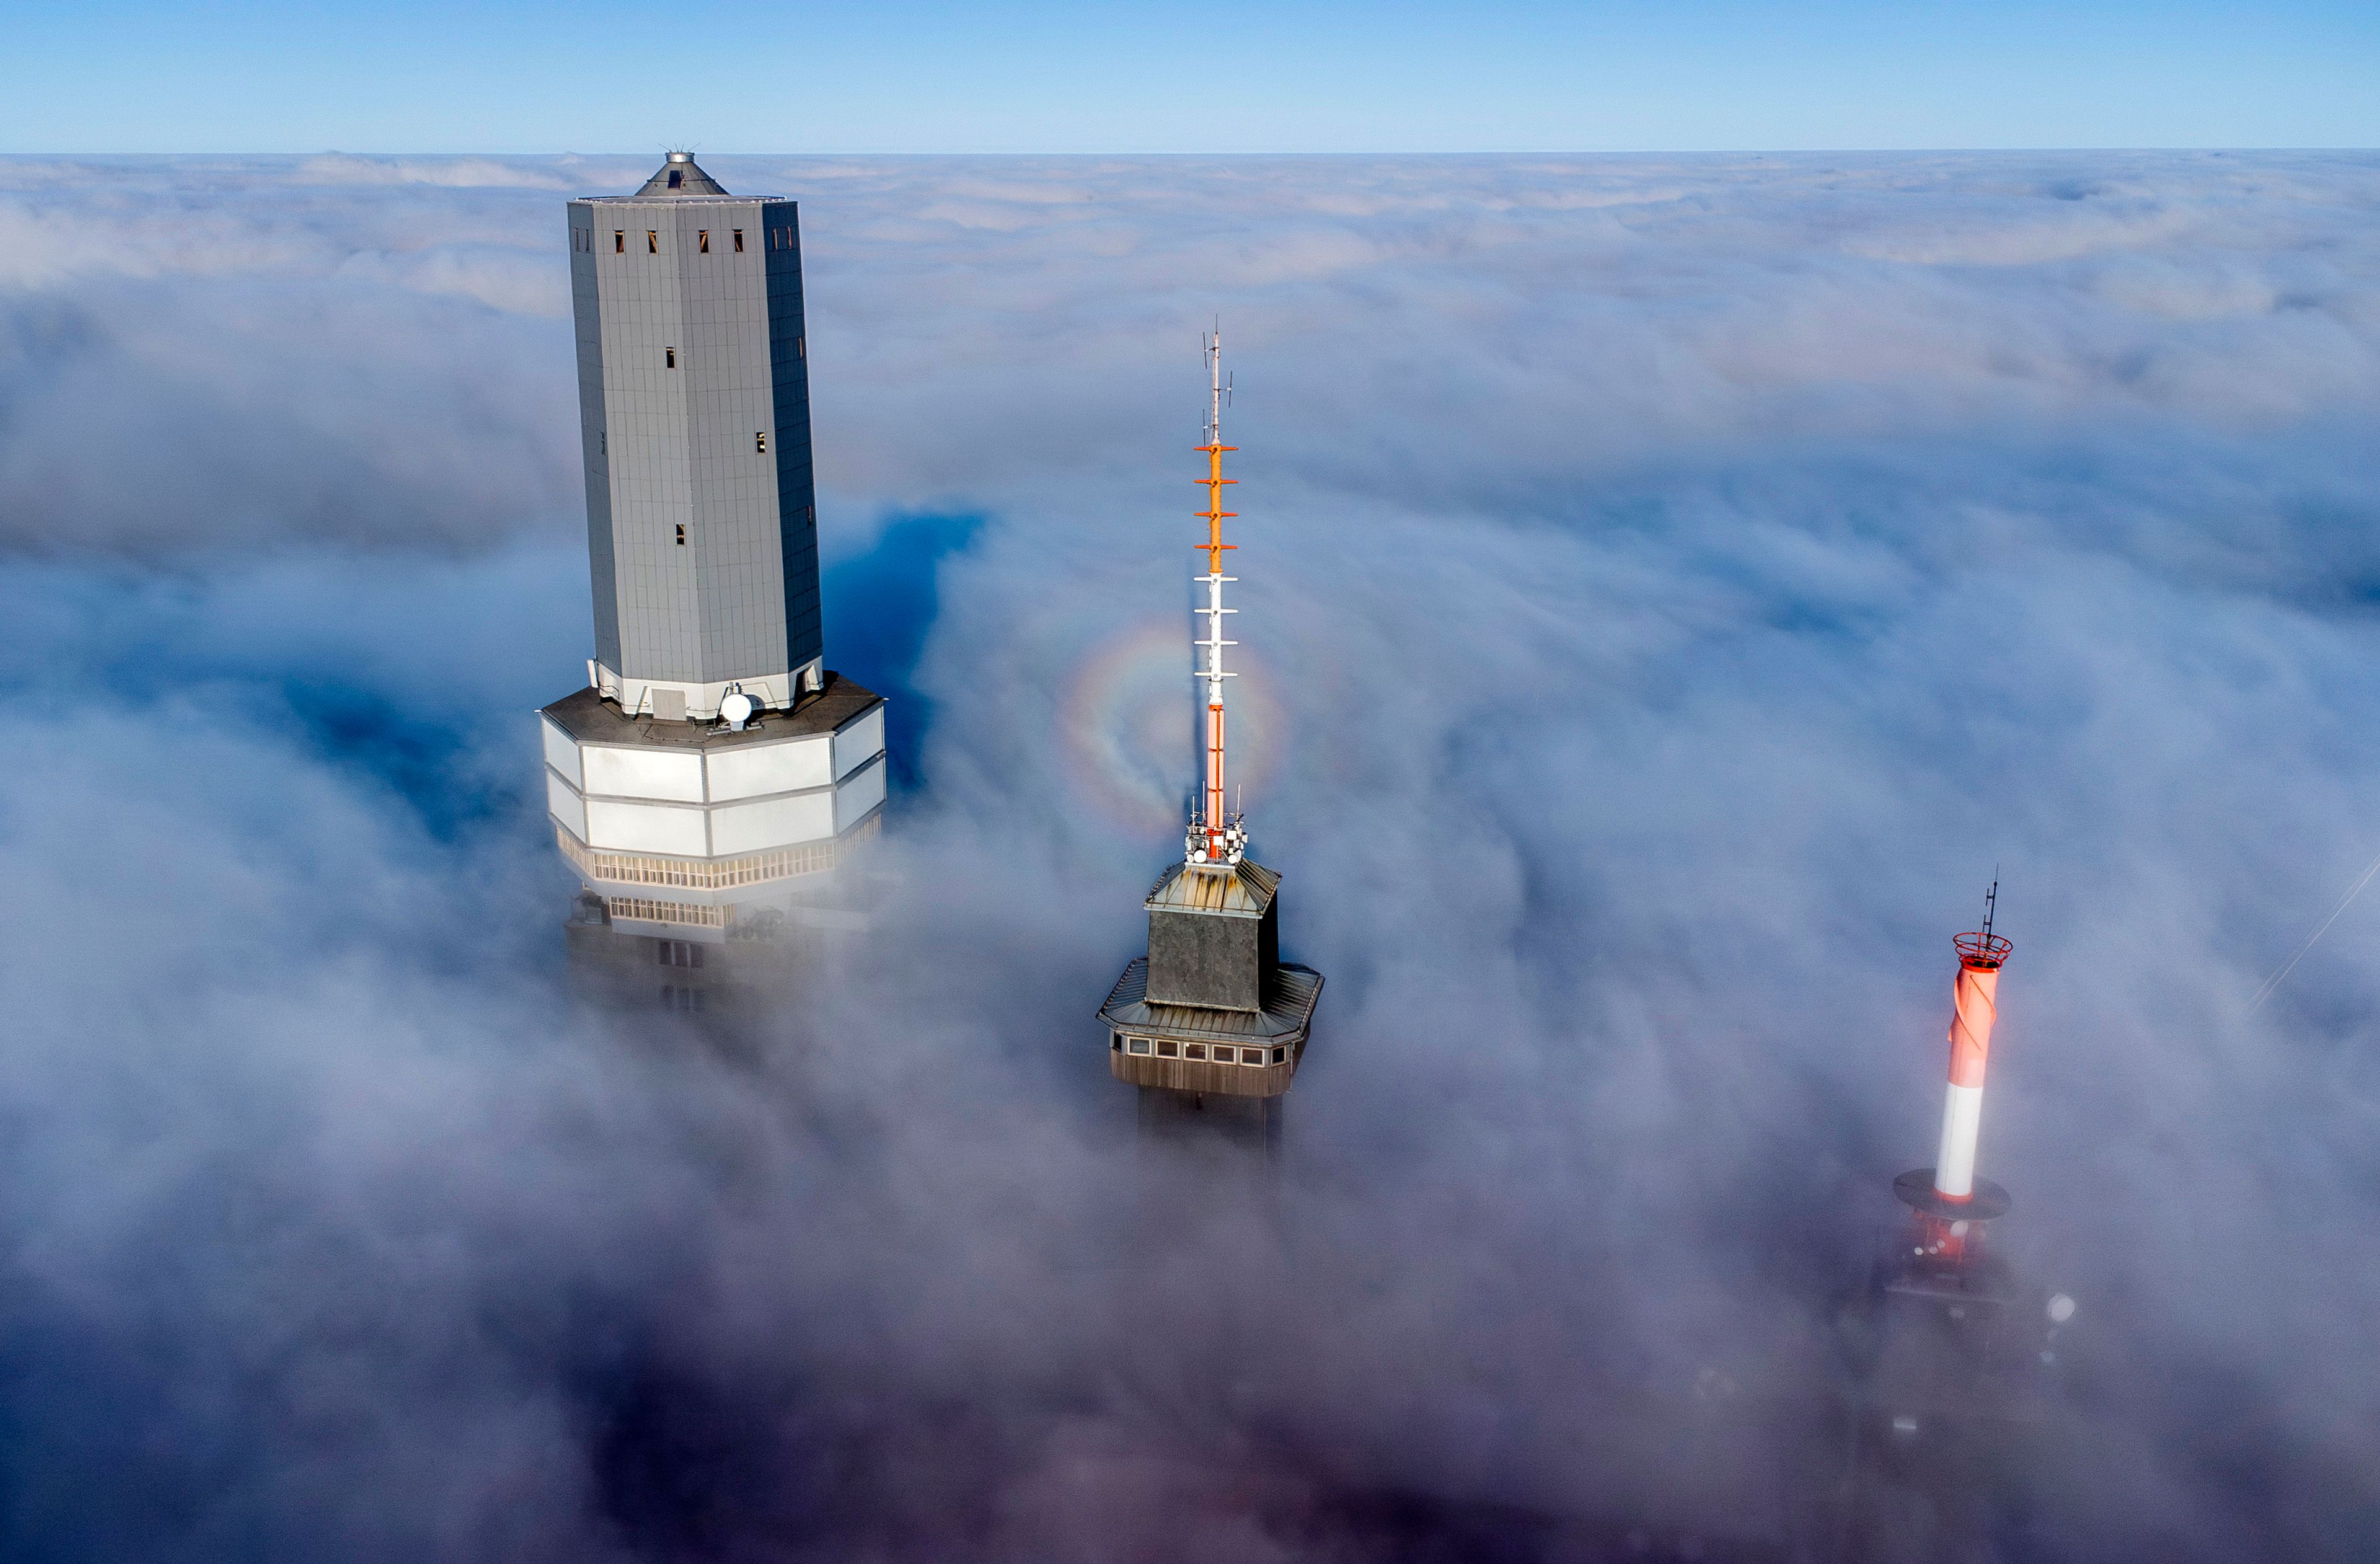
(423,760)
(885,601)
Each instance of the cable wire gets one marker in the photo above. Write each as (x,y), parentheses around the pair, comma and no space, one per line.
(2265,992)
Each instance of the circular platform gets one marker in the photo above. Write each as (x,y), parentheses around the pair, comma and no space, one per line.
(1915,1188)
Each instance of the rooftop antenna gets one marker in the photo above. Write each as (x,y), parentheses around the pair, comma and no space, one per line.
(1991,900)
(1215,835)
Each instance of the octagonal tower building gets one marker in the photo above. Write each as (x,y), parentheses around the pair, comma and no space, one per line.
(712,767)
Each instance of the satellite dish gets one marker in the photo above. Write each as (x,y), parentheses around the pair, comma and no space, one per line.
(736,709)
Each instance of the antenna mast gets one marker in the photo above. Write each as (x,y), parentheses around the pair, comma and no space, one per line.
(1214,836)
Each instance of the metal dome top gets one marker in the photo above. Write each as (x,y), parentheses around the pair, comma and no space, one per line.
(679,177)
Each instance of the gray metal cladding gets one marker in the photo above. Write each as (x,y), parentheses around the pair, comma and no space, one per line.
(790,392)
(587,326)
(1205,958)
(689,350)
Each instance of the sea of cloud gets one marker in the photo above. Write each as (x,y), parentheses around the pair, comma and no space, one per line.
(1672,589)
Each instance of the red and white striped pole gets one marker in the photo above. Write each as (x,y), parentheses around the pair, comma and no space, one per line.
(1949,1200)
(1980,958)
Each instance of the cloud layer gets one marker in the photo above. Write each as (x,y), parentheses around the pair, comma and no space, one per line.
(1671,588)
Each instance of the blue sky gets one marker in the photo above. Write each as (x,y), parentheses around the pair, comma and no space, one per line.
(1303,77)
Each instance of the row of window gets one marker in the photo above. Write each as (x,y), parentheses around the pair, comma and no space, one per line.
(583,240)
(604,436)
(681,529)
(685,1002)
(1214,1053)
(801,350)
(780,863)
(667,912)
(678,952)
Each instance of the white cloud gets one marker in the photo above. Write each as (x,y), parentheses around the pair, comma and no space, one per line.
(1674,585)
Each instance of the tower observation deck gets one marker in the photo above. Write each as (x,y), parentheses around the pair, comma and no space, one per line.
(711,763)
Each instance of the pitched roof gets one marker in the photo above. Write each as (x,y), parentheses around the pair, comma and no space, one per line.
(1241,889)
(1288,1010)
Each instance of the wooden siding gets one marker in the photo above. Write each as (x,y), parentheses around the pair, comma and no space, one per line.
(1204,1075)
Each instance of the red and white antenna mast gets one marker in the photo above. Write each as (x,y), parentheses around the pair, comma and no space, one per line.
(1947,1196)
(1215,835)
(1981,955)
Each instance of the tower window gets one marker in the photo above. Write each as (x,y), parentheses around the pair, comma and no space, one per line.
(760,441)
(1139,1044)
(739,241)
(1281,1055)
(680,535)
(702,240)
(652,242)
(1168,1049)
(801,347)
(1194,1051)
(619,241)
(669,357)
(677,179)
(602,442)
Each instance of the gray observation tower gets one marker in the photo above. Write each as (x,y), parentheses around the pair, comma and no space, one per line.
(712,768)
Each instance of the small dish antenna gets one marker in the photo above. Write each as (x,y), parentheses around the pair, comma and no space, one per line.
(735,708)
